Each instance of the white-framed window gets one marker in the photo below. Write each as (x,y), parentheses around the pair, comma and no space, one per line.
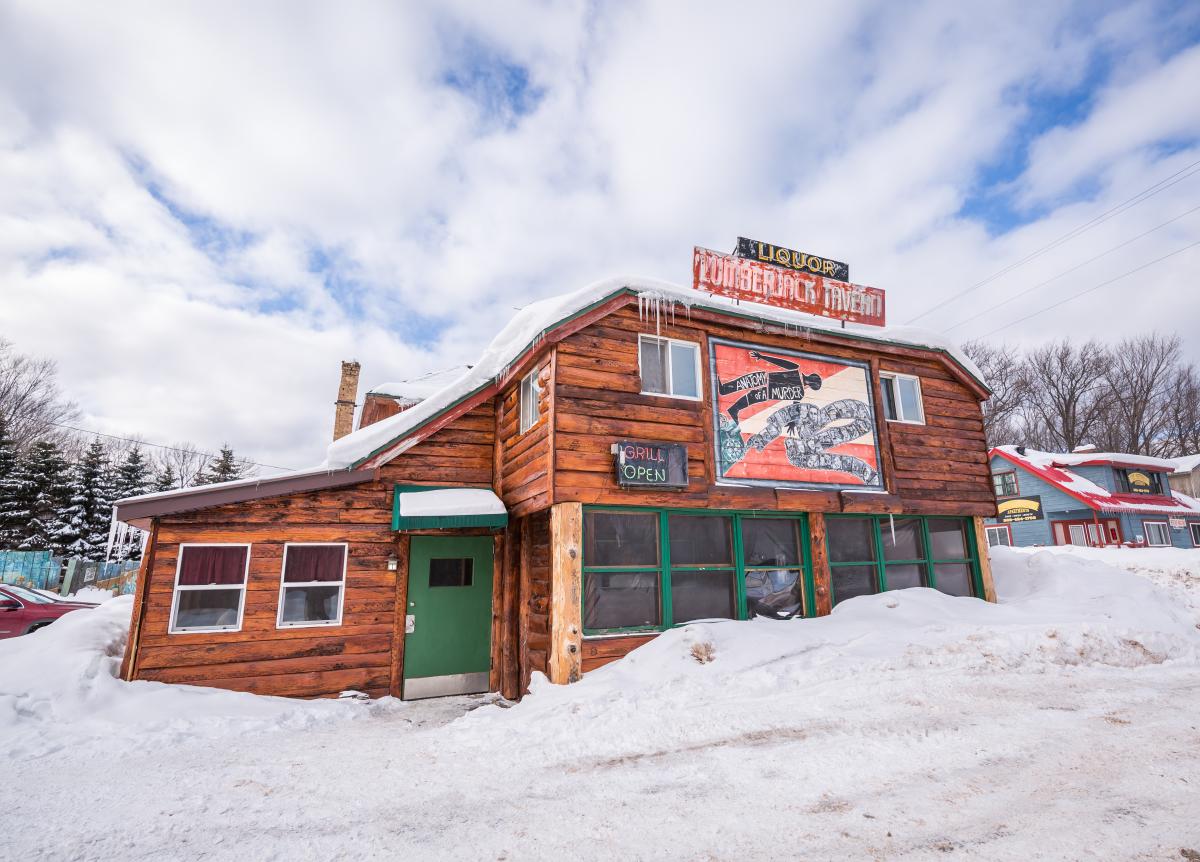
(312,585)
(1158,534)
(999,534)
(1005,484)
(531,396)
(902,398)
(210,588)
(669,367)
(1195,530)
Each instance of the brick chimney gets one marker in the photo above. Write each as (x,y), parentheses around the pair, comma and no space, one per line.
(343,414)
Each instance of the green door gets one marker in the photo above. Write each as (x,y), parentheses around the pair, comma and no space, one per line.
(447,645)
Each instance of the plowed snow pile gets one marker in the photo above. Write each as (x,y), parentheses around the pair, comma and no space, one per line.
(1059,724)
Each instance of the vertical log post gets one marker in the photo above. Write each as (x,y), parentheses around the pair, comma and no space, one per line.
(510,678)
(497,656)
(524,596)
(566,593)
(396,688)
(822,582)
(985,563)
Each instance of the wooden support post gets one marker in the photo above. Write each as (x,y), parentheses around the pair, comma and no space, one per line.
(510,677)
(524,595)
(129,660)
(985,563)
(396,687)
(566,593)
(497,658)
(822,585)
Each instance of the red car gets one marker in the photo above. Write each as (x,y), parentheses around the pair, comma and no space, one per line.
(23,610)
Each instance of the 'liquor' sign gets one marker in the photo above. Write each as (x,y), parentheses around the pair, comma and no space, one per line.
(797,260)
(659,465)
(743,278)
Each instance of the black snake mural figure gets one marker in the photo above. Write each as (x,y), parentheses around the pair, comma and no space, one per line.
(805,427)
(808,435)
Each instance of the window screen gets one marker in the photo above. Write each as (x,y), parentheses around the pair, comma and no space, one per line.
(313,581)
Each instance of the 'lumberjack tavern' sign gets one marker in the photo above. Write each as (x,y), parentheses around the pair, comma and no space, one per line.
(659,465)
(773,284)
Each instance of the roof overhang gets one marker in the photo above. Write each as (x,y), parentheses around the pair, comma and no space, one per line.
(613,301)
(139,511)
(424,507)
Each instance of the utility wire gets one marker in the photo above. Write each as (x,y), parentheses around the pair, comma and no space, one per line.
(1140,197)
(158,445)
(1069,271)
(1093,287)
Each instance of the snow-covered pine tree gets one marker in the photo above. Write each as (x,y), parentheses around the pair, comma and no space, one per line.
(91,504)
(132,478)
(44,493)
(165,479)
(11,523)
(223,468)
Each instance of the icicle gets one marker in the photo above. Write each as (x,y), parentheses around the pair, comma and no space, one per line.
(112,535)
(892,521)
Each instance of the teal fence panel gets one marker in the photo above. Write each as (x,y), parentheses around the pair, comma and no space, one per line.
(38,569)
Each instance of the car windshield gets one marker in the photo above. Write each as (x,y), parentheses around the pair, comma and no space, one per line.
(28,595)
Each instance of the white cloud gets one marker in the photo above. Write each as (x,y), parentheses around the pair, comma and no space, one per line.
(297,133)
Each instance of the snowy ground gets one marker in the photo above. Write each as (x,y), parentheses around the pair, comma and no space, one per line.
(1061,724)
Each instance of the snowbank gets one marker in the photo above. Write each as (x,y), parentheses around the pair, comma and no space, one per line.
(59,686)
(1055,611)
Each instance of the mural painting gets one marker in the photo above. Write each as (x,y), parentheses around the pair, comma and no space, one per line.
(785,418)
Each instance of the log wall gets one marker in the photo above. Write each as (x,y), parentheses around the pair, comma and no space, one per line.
(523,464)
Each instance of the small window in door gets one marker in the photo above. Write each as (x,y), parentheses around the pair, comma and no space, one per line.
(450,572)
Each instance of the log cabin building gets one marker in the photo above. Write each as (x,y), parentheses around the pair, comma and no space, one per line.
(621,460)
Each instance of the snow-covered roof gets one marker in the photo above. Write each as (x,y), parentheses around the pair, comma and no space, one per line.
(417,389)
(1052,467)
(1186,464)
(1090,458)
(655,297)
(444,502)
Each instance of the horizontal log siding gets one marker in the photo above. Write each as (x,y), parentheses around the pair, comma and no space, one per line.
(939,467)
(523,478)
(318,661)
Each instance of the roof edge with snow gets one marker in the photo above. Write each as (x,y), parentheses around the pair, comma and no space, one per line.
(387,438)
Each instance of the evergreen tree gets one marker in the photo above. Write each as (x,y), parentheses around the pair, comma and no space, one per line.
(88,512)
(165,479)
(131,479)
(222,468)
(44,493)
(11,526)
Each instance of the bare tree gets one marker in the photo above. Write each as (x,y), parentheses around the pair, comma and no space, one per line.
(30,400)
(185,461)
(1002,370)
(1066,394)
(1139,378)
(1182,433)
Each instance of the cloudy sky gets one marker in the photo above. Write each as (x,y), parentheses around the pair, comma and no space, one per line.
(204,207)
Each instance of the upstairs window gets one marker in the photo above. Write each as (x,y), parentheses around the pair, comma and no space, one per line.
(902,398)
(210,588)
(314,580)
(669,367)
(1140,482)
(531,397)
(1005,484)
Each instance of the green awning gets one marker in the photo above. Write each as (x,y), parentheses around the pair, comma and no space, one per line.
(423,507)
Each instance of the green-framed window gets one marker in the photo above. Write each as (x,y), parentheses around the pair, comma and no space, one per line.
(651,569)
(872,553)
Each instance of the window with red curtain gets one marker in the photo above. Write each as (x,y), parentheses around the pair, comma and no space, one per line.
(312,584)
(210,588)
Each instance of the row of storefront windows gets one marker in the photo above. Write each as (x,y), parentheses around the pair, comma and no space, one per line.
(650,569)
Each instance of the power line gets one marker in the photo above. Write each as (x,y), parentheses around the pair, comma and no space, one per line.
(1140,197)
(1093,287)
(1071,270)
(158,445)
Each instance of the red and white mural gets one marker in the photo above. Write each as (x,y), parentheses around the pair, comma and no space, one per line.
(785,418)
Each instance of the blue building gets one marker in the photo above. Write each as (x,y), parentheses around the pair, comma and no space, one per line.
(1088,498)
